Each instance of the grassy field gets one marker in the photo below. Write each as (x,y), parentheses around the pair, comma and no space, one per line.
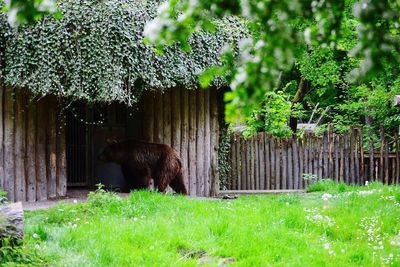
(337,225)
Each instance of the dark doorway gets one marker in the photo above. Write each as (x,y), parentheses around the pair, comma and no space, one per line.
(77,145)
(88,128)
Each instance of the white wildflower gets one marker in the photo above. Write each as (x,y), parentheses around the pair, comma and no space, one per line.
(152,248)
(326,196)
(35,236)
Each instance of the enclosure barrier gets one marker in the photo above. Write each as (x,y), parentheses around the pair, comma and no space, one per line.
(32,147)
(264,162)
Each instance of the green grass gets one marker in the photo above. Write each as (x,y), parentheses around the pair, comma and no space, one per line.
(337,225)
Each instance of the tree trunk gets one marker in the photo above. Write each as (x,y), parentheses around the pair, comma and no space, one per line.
(302,90)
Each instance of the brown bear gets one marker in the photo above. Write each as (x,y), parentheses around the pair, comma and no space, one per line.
(141,161)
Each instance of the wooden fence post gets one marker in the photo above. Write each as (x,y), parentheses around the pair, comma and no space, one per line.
(352,162)
(278,164)
(262,161)
(301,162)
(357,157)
(346,158)
(284,164)
(382,136)
(273,159)
(325,156)
(268,162)
(296,163)
(306,158)
(386,165)
(336,161)
(371,157)
(243,163)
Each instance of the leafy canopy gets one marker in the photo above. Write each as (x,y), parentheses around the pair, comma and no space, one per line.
(281,32)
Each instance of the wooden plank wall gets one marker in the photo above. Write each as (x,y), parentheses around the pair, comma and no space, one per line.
(32,147)
(188,121)
(268,163)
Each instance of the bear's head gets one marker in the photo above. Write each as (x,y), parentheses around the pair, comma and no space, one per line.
(111,152)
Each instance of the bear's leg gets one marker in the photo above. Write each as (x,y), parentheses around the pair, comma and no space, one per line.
(170,173)
(161,183)
(136,178)
(178,183)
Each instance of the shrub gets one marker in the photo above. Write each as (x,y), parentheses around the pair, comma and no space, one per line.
(324,185)
(101,198)
(18,254)
(3,197)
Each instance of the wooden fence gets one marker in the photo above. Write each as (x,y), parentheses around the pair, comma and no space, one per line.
(268,163)
(32,147)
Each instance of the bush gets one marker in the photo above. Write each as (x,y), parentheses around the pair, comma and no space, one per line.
(18,254)
(102,198)
(3,197)
(325,185)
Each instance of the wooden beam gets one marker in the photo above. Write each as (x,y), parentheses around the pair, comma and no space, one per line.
(214,128)
(51,143)
(61,158)
(9,162)
(158,120)
(30,162)
(200,143)
(192,142)
(41,172)
(207,143)
(19,136)
(167,117)
(176,119)
(185,135)
(148,115)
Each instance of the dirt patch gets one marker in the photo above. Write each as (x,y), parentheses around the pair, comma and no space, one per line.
(203,258)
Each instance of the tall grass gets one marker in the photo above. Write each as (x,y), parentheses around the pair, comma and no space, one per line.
(338,225)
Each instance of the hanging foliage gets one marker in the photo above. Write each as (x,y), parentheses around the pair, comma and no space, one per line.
(96,52)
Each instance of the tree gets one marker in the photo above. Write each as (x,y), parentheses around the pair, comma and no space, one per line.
(280,32)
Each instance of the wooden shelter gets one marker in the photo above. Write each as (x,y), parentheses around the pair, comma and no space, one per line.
(97,54)
(45,147)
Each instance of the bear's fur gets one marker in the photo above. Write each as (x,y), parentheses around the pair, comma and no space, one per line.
(141,161)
